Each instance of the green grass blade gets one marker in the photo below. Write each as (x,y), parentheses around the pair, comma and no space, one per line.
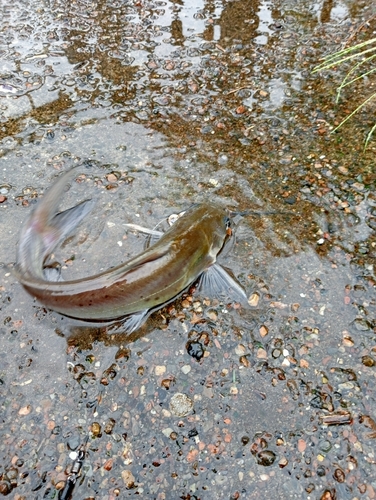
(343,52)
(350,54)
(340,61)
(369,135)
(355,111)
(352,70)
(358,77)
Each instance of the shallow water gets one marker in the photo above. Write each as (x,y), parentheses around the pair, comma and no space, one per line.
(181,102)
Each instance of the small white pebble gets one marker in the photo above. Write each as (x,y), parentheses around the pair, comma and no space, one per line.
(160,370)
(213,182)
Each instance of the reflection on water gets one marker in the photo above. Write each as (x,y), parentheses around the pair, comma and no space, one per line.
(107,52)
(164,104)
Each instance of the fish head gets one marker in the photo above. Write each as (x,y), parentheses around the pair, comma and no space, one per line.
(214,221)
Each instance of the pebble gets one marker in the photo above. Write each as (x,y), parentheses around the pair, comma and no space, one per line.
(361,325)
(241,109)
(261,353)
(302,445)
(347,341)
(339,475)
(213,182)
(160,370)
(73,442)
(96,429)
(245,361)
(343,170)
(108,464)
(358,186)
(368,361)
(181,405)
(240,350)
(5,487)
(254,299)
(25,410)
(222,159)
(195,350)
(212,315)
(263,331)
(128,478)
(328,495)
(112,178)
(109,425)
(266,458)
(60,485)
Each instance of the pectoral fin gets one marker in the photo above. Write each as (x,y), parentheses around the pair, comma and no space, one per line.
(216,282)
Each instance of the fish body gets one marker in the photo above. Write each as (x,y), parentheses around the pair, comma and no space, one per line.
(154,277)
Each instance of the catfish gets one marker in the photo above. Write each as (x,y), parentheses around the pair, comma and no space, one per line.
(186,252)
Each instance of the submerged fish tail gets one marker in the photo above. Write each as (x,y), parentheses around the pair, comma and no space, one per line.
(45,228)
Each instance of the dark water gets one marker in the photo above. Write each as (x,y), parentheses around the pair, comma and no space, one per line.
(164,104)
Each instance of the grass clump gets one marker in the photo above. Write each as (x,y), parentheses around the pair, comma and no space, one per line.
(366,52)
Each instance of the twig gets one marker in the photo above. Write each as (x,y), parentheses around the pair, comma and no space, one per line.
(240,88)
